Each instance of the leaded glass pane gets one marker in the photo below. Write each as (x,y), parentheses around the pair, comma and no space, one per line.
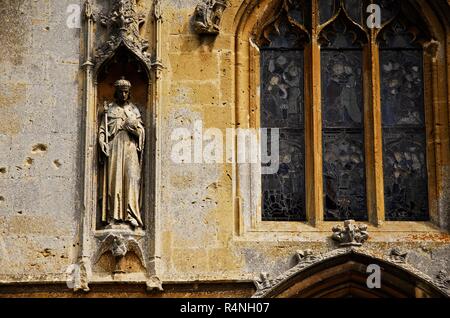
(338,35)
(402,88)
(328,8)
(405,175)
(343,135)
(283,192)
(344,177)
(282,107)
(398,35)
(282,85)
(288,30)
(282,89)
(389,8)
(342,89)
(354,9)
(404,137)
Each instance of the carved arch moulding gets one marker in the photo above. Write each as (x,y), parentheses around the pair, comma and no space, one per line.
(314,275)
(121,72)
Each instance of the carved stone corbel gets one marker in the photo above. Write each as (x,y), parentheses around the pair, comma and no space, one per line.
(396,255)
(351,234)
(208,16)
(119,245)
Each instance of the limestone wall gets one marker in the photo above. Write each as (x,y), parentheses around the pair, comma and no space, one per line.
(40,140)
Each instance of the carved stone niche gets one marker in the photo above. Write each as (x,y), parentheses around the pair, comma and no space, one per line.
(208,16)
(119,148)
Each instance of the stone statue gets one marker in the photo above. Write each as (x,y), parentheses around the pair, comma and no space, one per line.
(121,139)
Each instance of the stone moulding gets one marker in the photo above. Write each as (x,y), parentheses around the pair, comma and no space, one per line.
(267,287)
(208,16)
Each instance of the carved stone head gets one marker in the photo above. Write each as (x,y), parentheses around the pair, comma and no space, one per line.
(122,93)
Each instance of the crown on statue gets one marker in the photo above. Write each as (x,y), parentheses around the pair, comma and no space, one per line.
(122,83)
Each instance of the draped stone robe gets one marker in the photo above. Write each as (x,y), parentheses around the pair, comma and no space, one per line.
(126,137)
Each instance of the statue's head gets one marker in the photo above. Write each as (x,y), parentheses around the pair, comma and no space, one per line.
(122,93)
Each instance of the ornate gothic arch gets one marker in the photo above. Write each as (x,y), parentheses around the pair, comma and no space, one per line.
(342,273)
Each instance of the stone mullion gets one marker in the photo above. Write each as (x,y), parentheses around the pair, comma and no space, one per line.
(373,132)
(434,128)
(313,116)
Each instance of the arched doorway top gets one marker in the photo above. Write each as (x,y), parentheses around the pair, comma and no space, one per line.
(342,272)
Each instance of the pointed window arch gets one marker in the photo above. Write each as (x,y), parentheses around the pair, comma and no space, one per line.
(360,129)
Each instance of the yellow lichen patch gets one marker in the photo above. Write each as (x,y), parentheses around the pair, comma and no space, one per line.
(194,67)
(12,95)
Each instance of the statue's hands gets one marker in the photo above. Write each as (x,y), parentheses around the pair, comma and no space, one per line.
(131,125)
(105,148)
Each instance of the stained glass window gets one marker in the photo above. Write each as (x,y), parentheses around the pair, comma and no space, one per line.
(342,122)
(404,136)
(345,57)
(282,98)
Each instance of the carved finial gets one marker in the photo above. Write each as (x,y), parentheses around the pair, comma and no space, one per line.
(88,11)
(208,15)
(305,256)
(157,12)
(397,255)
(124,23)
(263,282)
(351,235)
(443,280)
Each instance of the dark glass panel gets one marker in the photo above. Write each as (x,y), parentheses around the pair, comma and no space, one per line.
(405,175)
(288,30)
(402,88)
(404,136)
(398,35)
(297,11)
(342,97)
(354,9)
(342,34)
(283,196)
(343,124)
(328,8)
(282,89)
(344,175)
(282,85)
(389,9)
